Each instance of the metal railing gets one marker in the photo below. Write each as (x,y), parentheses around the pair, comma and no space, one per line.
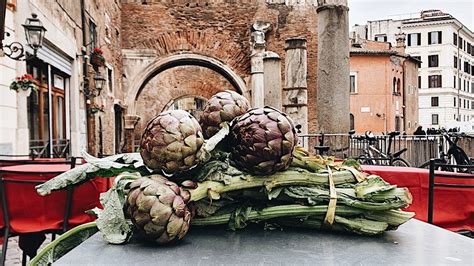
(40,148)
(420,149)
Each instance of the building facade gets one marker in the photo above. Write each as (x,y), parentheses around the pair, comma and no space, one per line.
(383,91)
(445,47)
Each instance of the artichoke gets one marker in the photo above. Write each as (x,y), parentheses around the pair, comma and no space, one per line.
(157,208)
(222,107)
(172,142)
(262,141)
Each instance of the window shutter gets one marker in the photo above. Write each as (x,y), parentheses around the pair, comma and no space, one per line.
(419,38)
(409,39)
(429,37)
(440,35)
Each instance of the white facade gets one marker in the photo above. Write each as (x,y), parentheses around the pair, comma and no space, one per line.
(452,103)
(60,52)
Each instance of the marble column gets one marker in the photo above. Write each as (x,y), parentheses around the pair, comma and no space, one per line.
(272,79)
(332,95)
(295,91)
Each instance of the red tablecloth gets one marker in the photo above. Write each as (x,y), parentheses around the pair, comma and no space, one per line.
(453,207)
(30,212)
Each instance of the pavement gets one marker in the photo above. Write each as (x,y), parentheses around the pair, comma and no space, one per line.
(14,253)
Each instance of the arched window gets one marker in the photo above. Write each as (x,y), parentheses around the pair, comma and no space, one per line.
(351,122)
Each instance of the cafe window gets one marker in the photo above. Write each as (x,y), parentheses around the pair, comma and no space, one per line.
(434,81)
(434,37)
(433,60)
(46,115)
(434,101)
(434,119)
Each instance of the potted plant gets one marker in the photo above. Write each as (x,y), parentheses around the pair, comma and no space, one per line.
(23,84)
(95,108)
(97,57)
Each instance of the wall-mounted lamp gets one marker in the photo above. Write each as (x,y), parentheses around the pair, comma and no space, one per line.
(34,32)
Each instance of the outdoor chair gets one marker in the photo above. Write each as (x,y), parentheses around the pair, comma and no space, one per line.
(433,182)
(6,231)
(63,244)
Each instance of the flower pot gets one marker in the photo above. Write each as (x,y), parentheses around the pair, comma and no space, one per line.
(23,92)
(97,60)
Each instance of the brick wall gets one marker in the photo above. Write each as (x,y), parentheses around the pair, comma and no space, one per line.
(221,30)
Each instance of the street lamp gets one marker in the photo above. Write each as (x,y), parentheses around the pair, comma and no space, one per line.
(99,81)
(34,32)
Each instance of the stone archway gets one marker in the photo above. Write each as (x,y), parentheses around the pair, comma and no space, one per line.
(162,64)
(139,83)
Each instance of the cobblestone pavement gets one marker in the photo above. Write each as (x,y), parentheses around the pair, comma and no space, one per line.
(14,252)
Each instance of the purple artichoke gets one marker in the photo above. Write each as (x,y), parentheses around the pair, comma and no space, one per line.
(262,141)
(222,107)
(158,209)
(171,142)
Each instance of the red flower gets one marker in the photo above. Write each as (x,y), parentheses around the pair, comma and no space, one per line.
(97,51)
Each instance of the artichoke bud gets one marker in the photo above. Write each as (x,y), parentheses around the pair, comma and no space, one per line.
(262,141)
(222,108)
(157,208)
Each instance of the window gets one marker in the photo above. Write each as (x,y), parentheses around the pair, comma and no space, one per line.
(93,34)
(468,48)
(434,37)
(434,101)
(110,77)
(353,83)
(351,121)
(460,42)
(467,67)
(455,62)
(455,39)
(434,81)
(419,82)
(381,38)
(454,81)
(108,34)
(455,101)
(472,104)
(394,86)
(472,69)
(434,119)
(397,123)
(433,60)
(414,39)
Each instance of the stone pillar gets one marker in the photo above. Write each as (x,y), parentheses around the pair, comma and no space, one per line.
(258,92)
(295,91)
(332,95)
(130,123)
(272,79)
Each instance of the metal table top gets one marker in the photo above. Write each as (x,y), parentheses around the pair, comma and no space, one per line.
(414,243)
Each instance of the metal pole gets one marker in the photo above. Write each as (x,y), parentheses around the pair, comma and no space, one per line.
(431,191)
(50,111)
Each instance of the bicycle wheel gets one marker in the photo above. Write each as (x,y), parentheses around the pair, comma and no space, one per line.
(426,165)
(400,162)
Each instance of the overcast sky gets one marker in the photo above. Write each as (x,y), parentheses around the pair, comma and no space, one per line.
(363,10)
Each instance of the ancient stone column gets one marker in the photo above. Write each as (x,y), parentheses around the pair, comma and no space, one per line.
(332,95)
(272,79)
(295,91)
(257,82)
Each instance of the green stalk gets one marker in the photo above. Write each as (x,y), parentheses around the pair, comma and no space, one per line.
(355,225)
(391,217)
(213,189)
(293,210)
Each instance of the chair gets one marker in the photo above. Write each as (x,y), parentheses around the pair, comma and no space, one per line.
(63,244)
(6,231)
(435,164)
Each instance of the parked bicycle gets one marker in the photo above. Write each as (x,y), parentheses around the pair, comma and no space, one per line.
(454,152)
(374,156)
